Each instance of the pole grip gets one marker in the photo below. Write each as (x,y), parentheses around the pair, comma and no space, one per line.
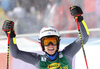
(8,37)
(77,23)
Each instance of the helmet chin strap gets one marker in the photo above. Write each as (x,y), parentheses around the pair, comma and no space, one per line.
(52,57)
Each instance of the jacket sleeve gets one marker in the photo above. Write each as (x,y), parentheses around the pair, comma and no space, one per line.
(28,57)
(74,47)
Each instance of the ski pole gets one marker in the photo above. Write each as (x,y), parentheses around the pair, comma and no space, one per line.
(76,18)
(8,49)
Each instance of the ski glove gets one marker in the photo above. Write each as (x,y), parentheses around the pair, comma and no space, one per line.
(9,26)
(76,11)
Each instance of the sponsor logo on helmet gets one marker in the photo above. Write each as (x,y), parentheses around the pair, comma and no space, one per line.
(49,33)
(54,66)
(48,30)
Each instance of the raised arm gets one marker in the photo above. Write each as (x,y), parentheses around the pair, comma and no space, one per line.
(28,57)
(73,48)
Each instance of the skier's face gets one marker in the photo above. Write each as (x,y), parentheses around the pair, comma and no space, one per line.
(51,49)
(50,44)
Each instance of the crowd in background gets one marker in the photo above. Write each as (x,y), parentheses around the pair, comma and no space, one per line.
(31,15)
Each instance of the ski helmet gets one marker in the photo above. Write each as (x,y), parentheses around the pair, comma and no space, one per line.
(47,32)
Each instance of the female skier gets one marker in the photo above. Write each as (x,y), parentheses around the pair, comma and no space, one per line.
(49,39)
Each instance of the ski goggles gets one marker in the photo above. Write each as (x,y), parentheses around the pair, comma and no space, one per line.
(46,41)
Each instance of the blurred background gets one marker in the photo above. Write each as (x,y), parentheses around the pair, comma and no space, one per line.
(30,16)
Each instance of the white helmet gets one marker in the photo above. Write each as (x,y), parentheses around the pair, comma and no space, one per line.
(48,31)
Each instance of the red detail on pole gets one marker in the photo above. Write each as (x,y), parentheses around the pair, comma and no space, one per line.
(8,38)
(86,62)
(77,24)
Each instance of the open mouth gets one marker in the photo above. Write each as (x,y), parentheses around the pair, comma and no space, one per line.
(50,49)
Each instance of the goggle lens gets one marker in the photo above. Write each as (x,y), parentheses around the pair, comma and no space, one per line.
(47,41)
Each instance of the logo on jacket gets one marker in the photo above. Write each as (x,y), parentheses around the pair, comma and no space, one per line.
(53,66)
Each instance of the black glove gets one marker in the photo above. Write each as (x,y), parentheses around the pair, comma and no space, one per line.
(9,26)
(76,12)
